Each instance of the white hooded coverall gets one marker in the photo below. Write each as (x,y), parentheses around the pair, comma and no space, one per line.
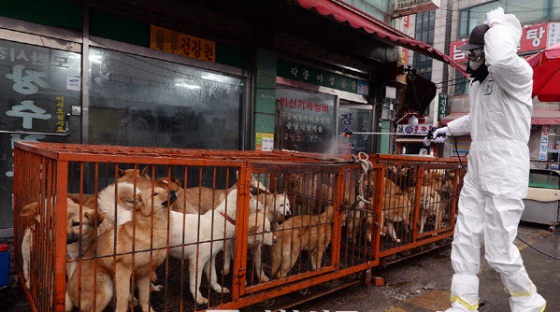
(491,201)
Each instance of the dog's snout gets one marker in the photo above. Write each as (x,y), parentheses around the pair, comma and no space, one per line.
(72,238)
(274,240)
(172,197)
(287,213)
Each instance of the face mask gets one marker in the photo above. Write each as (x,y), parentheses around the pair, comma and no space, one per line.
(476,58)
(474,65)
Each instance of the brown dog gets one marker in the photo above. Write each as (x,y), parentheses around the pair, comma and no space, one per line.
(143,230)
(303,232)
(201,199)
(81,223)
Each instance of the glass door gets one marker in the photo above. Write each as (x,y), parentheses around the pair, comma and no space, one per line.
(356,119)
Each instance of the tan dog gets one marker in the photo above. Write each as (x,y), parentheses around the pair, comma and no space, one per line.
(303,232)
(198,200)
(201,199)
(144,229)
(80,233)
(432,204)
(396,208)
(276,207)
(259,234)
(357,217)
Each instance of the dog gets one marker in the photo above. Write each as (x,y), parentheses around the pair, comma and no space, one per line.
(201,199)
(143,228)
(260,234)
(360,219)
(396,208)
(432,203)
(199,238)
(81,223)
(276,206)
(302,232)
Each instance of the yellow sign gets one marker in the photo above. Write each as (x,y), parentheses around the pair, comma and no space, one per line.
(168,40)
(264,141)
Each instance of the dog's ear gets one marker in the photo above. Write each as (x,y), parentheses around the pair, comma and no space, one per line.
(29,209)
(121,173)
(144,172)
(95,218)
(176,181)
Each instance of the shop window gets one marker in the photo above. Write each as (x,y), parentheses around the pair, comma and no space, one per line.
(305,120)
(38,87)
(139,101)
(526,11)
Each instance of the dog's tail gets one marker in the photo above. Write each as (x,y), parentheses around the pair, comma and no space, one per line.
(107,202)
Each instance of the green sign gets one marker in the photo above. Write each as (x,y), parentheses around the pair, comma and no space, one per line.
(443,106)
(308,74)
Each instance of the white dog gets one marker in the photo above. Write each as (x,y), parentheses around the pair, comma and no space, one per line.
(200,237)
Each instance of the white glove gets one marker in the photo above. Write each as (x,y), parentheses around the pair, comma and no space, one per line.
(440,135)
(495,16)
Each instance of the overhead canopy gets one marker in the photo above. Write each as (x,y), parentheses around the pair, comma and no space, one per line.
(344,13)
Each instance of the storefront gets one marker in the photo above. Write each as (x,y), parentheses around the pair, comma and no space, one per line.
(219,77)
(315,107)
(188,93)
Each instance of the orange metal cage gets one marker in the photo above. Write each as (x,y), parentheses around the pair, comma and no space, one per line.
(347,214)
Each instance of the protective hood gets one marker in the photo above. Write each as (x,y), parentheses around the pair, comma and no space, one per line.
(514,26)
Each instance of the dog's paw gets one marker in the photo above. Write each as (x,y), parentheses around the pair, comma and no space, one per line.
(264,278)
(225,271)
(201,300)
(156,288)
(224,290)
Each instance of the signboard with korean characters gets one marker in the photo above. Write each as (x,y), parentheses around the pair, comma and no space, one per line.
(306,120)
(38,87)
(534,38)
(420,129)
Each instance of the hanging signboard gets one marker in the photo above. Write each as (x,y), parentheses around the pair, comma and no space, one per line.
(315,76)
(443,106)
(408,7)
(544,144)
(171,41)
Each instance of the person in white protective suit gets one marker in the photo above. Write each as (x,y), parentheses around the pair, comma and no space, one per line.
(491,200)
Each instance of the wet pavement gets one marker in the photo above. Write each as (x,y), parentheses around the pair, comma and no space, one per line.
(419,284)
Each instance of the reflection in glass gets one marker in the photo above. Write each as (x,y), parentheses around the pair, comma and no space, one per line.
(138,101)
